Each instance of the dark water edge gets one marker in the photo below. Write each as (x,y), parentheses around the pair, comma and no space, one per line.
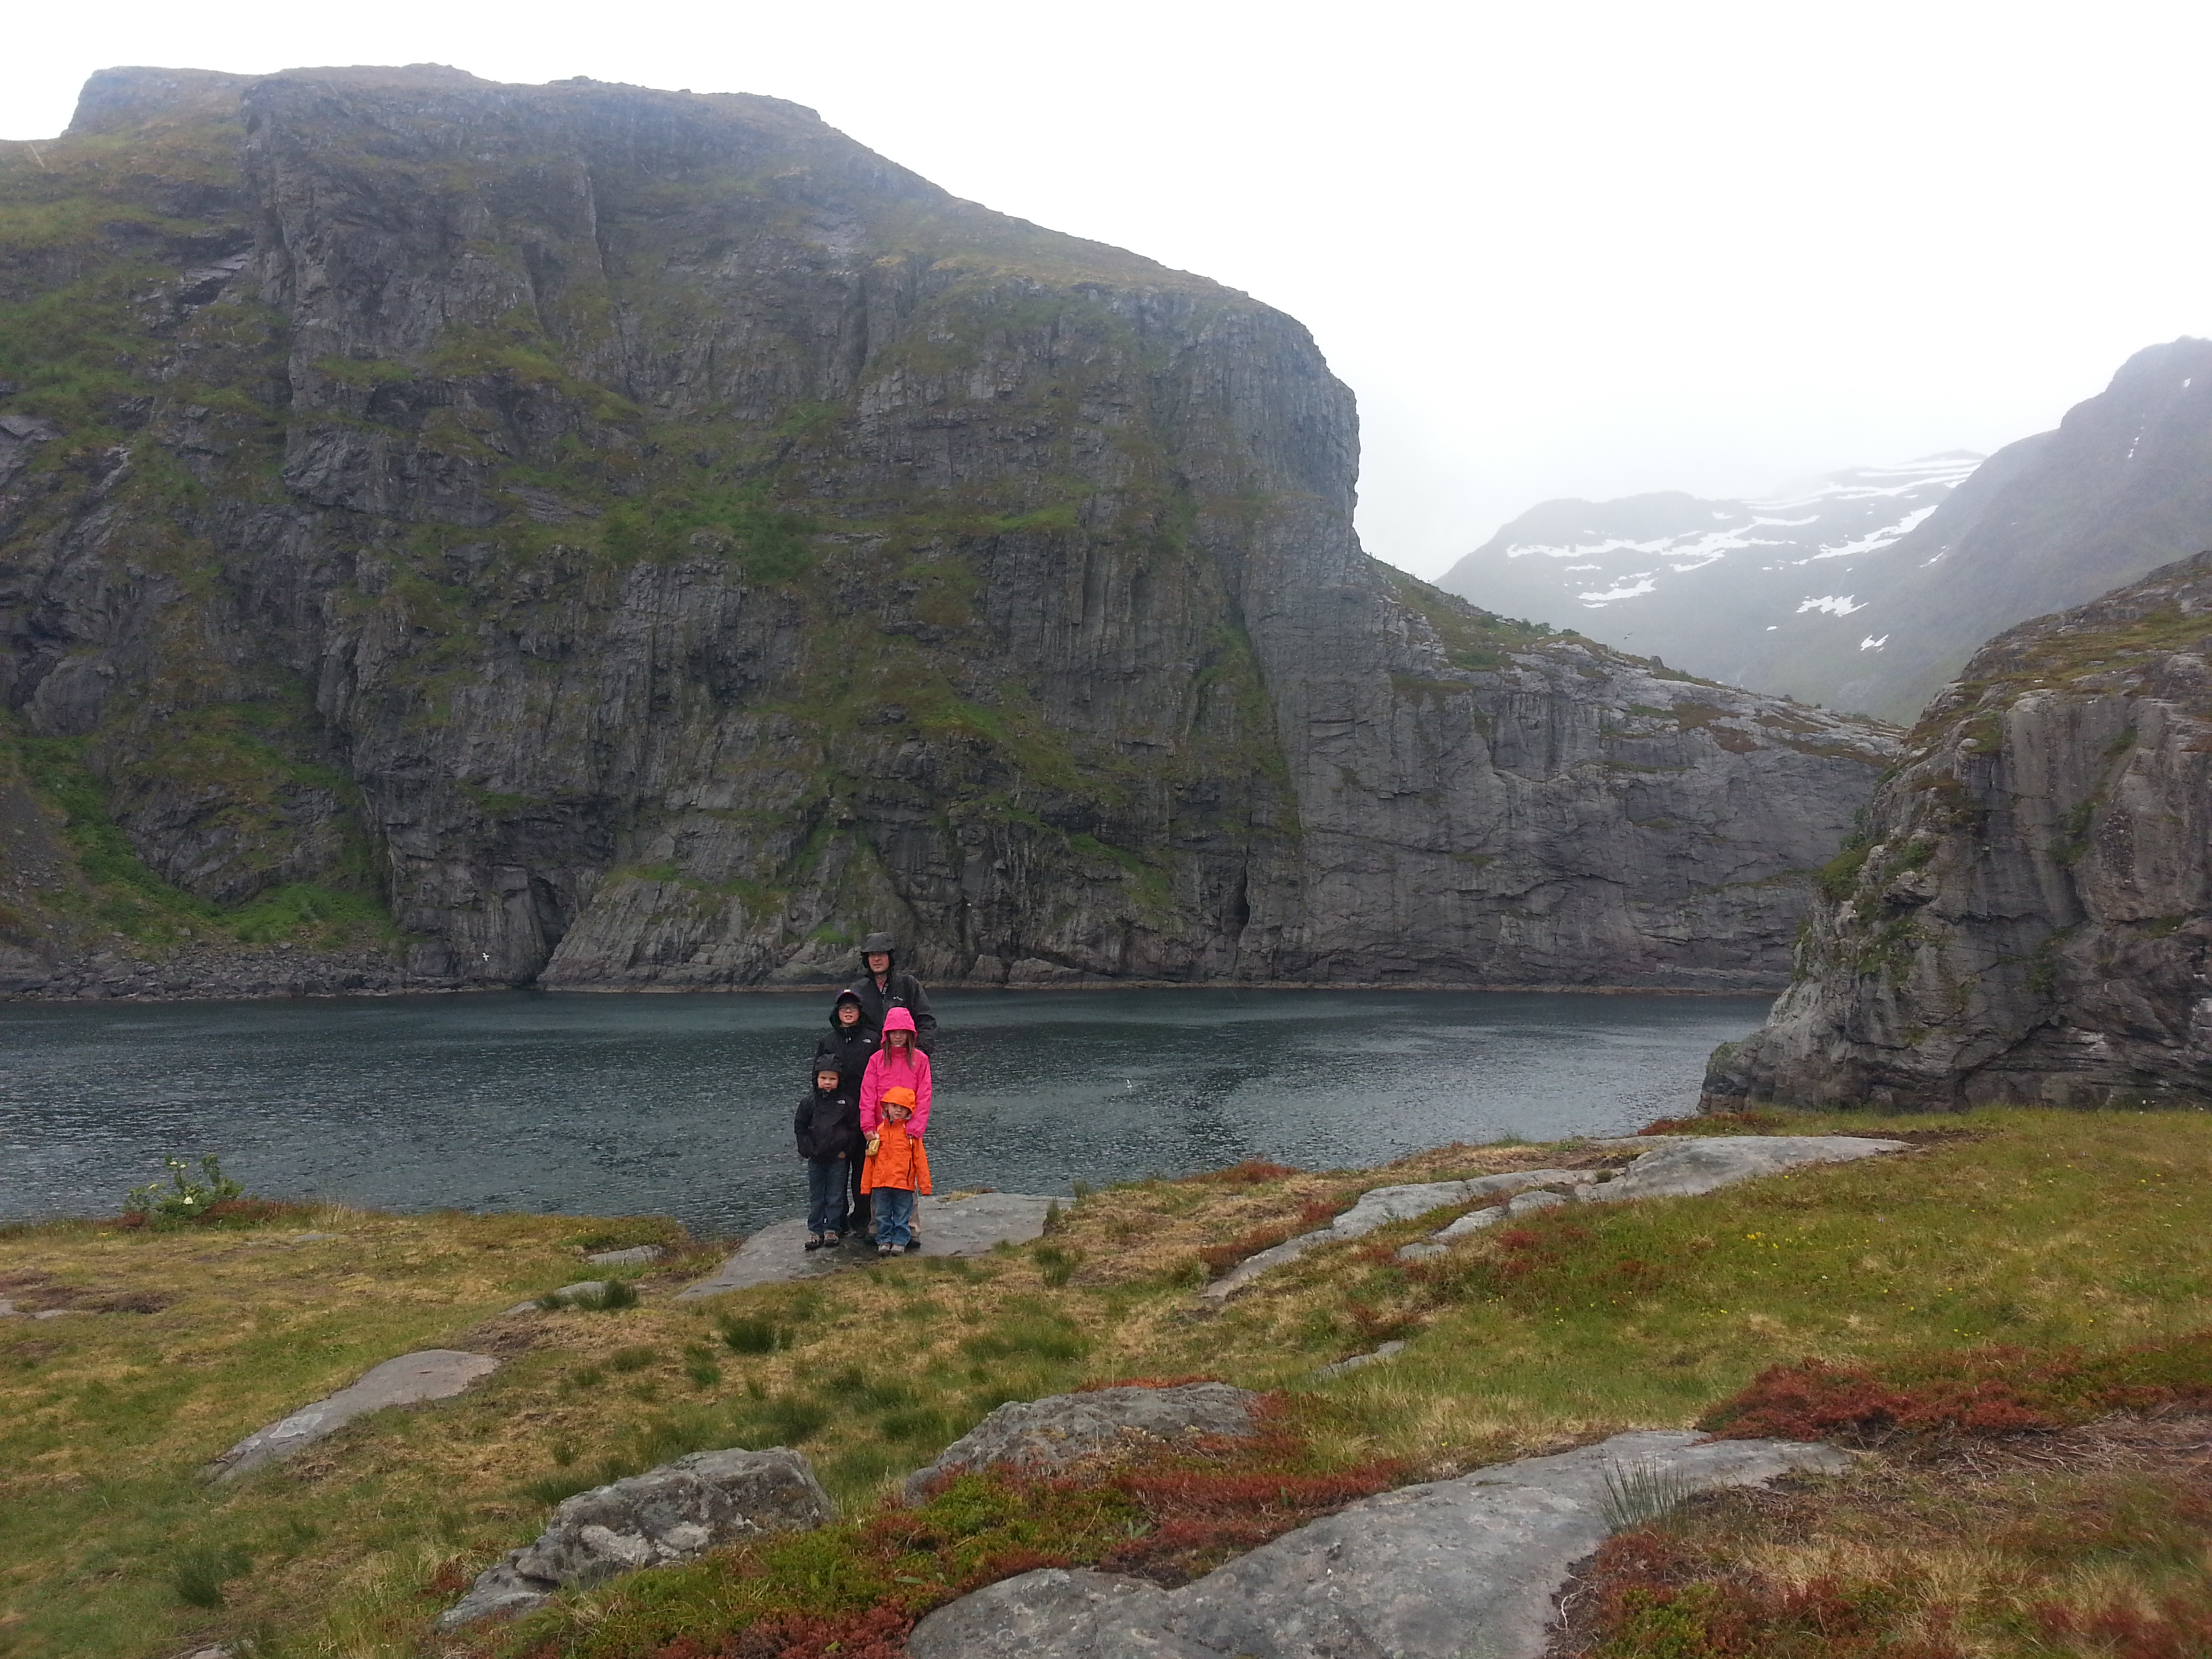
(680,1103)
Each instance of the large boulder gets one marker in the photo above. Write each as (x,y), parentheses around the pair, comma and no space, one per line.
(1063,1429)
(673,1513)
(1441,1570)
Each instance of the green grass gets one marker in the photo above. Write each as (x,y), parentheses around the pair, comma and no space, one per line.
(2050,1230)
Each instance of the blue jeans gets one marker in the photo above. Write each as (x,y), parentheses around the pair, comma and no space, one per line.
(894,1212)
(825,1193)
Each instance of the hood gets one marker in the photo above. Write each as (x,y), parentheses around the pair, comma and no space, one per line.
(876,942)
(853,997)
(815,1082)
(897,1019)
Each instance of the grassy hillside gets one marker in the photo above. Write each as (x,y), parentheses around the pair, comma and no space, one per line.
(2081,1243)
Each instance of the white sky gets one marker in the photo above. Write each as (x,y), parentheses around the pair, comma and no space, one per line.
(1557,247)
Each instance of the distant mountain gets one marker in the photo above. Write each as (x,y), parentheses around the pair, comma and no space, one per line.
(1892,579)
(1729,589)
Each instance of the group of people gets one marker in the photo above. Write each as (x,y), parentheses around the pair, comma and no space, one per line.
(862,1127)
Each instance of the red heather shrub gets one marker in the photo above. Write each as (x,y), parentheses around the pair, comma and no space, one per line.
(1713,1124)
(1656,1600)
(1994,1390)
(1252,1172)
(1220,1258)
(1319,1213)
(2177,1631)
(877,1633)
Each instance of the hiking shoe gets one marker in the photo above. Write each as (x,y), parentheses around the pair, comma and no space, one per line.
(814,1241)
(912,1245)
(828,1241)
(886,1249)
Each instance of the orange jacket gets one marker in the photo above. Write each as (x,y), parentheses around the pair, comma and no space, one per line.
(897,1161)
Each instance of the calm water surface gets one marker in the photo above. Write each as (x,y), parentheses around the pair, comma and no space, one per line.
(683,1104)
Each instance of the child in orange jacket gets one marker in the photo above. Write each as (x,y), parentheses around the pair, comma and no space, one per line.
(894,1116)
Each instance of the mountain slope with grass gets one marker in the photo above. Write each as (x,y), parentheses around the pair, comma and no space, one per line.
(2007,1322)
(2026,913)
(454,533)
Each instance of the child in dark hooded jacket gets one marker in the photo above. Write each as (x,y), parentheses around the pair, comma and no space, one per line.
(828,1128)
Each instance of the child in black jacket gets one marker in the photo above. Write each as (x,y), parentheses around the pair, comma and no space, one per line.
(828,1127)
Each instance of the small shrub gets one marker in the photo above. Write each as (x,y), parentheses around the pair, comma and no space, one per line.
(199,1573)
(1995,1390)
(1252,1172)
(1219,1259)
(782,1420)
(1058,1264)
(624,1360)
(1714,1123)
(702,1373)
(1026,1334)
(748,1336)
(182,1200)
(1642,1495)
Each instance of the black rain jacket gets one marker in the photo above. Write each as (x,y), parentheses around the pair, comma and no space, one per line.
(900,990)
(828,1124)
(848,1050)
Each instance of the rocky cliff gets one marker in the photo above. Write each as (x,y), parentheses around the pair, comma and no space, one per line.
(2026,916)
(454,533)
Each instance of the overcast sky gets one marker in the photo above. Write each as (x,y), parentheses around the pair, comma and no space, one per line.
(1557,248)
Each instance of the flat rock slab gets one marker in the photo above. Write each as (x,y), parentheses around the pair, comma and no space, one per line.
(1670,1167)
(638,1255)
(674,1513)
(432,1374)
(1379,1207)
(1442,1570)
(1062,1429)
(1703,1164)
(960,1224)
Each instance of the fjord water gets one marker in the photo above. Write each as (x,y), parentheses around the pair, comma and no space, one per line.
(681,1105)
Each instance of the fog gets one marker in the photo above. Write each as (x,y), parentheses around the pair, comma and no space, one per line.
(1581,249)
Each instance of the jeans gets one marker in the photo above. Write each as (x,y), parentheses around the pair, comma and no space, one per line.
(856,1207)
(825,1193)
(894,1213)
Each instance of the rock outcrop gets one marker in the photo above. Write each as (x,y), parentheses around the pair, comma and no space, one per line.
(674,1513)
(463,534)
(1435,1571)
(410,1379)
(1044,1436)
(2025,918)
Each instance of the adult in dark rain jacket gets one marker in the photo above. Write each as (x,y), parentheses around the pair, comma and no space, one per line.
(847,1045)
(886,985)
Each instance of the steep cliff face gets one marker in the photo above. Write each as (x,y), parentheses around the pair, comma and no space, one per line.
(2027,917)
(456,533)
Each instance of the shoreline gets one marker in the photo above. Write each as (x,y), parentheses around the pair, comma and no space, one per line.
(20,999)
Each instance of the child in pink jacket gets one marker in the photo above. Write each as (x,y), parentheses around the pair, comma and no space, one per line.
(898,1064)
